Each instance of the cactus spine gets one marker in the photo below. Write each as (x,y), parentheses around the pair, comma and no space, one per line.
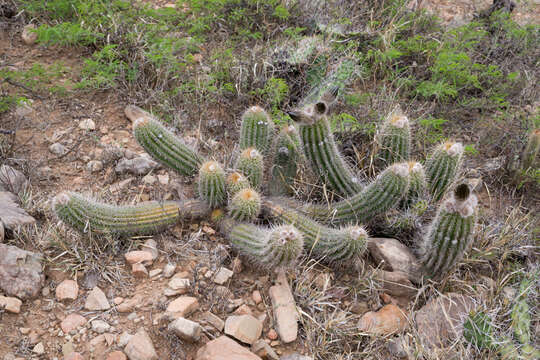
(236,182)
(333,245)
(245,205)
(442,168)
(322,153)
(394,139)
(90,216)
(384,193)
(165,147)
(530,155)
(212,184)
(256,129)
(251,164)
(450,233)
(277,247)
(285,162)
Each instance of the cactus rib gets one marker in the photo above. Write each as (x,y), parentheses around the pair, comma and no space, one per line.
(285,161)
(212,184)
(256,129)
(442,168)
(245,205)
(251,164)
(394,139)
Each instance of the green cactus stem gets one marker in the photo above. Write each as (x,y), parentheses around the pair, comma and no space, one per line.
(212,184)
(394,139)
(86,215)
(245,205)
(285,162)
(417,185)
(256,130)
(321,150)
(165,147)
(271,248)
(530,155)
(236,182)
(450,234)
(332,245)
(442,168)
(383,194)
(251,164)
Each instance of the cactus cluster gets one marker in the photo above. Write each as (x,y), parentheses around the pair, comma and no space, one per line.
(333,232)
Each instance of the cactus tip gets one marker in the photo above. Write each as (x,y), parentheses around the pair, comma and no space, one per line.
(248,194)
(61,199)
(142,121)
(414,167)
(453,148)
(210,166)
(399,120)
(401,169)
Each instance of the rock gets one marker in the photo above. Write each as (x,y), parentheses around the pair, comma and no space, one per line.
(96,300)
(186,329)
(394,256)
(256,296)
(397,347)
(124,338)
(140,347)
(138,256)
(178,284)
(87,124)
(10,304)
(74,356)
(295,356)
(94,166)
(21,272)
(154,273)
(11,214)
(97,346)
(139,270)
(272,334)
(72,322)
(29,35)
(128,305)
(67,290)
(243,310)
(222,276)
(265,351)
(182,306)
(213,320)
(168,270)
(224,348)
(12,179)
(441,320)
(163,179)
(284,309)
(139,166)
(396,283)
(39,349)
(150,246)
(245,328)
(100,326)
(58,149)
(149,179)
(116,355)
(390,319)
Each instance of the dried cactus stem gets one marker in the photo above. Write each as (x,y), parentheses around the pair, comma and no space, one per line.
(251,164)
(256,129)
(442,168)
(165,147)
(211,184)
(90,216)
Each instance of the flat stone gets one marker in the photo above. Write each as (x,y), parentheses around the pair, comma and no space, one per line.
(10,304)
(186,329)
(11,213)
(213,320)
(21,271)
(140,347)
(100,326)
(224,348)
(87,124)
(396,283)
(96,300)
(67,290)
(265,351)
(179,284)
(116,355)
(154,273)
(139,270)
(128,305)
(390,319)
(138,256)
(284,309)
(183,306)
(222,276)
(150,246)
(72,322)
(394,256)
(245,328)
(441,320)
(39,349)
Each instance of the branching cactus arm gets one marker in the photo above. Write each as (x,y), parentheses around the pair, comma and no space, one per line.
(442,168)
(256,130)
(394,139)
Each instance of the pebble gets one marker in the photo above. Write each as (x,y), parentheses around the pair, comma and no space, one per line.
(150,246)
(256,296)
(124,339)
(87,124)
(39,349)
(245,328)
(155,272)
(183,306)
(72,322)
(179,284)
(29,35)
(58,149)
(263,350)
(284,309)
(222,276)
(272,334)
(139,256)
(390,319)
(186,329)
(213,320)
(100,326)
(224,348)
(67,290)
(10,304)
(94,166)
(168,270)
(139,270)
(140,347)
(96,300)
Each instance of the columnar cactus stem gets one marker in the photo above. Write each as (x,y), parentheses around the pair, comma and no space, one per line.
(236,182)
(272,248)
(90,216)
(245,205)
(417,184)
(332,245)
(442,168)
(165,147)
(256,129)
(212,184)
(383,194)
(251,164)
(450,234)
(394,139)
(285,161)
(530,155)
(321,150)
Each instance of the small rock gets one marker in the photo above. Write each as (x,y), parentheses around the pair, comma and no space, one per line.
(12,179)
(245,328)
(21,271)
(29,34)
(397,347)
(149,179)
(96,300)
(284,309)
(74,356)
(272,334)
(223,275)
(24,331)
(243,310)
(183,306)
(154,272)
(58,149)
(262,349)
(94,166)
(140,347)
(181,285)
(163,179)
(168,270)
(128,305)
(256,296)
(87,124)
(139,270)
(389,319)
(139,166)
(394,256)
(100,326)
(213,320)
(186,329)
(39,349)
(10,304)
(118,300)
(116,355)
(224,348)
(138,256)
(124,338)
(67,290)
(396,283)
(150,246)
(72,322)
